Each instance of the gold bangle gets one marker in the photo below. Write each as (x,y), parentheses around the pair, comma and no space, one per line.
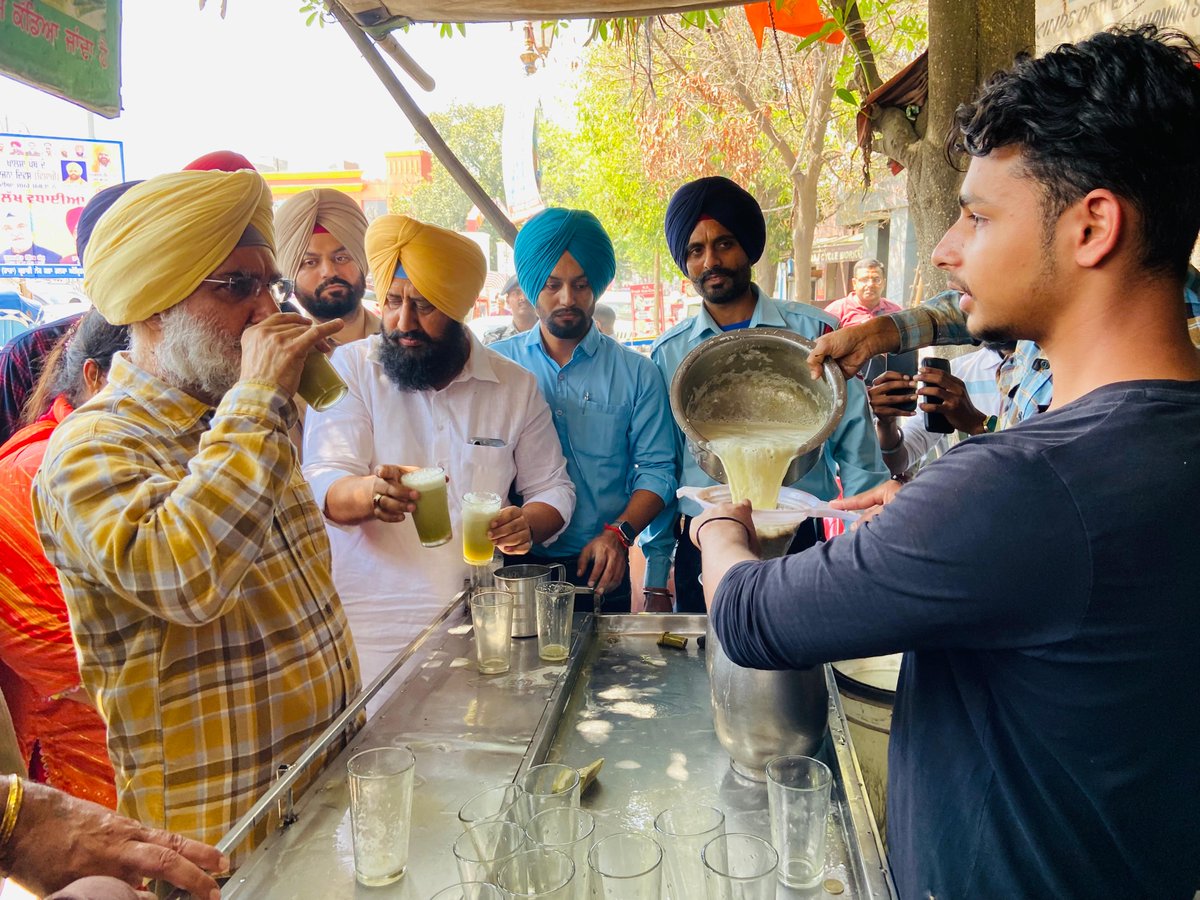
(16,793)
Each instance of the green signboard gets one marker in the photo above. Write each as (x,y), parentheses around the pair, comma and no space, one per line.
(69,48)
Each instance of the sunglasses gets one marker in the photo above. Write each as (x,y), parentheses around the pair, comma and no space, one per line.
(243,287)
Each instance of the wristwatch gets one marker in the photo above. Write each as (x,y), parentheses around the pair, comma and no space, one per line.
(624,531)
(990,423)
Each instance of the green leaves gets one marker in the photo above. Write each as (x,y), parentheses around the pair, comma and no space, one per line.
(846,96)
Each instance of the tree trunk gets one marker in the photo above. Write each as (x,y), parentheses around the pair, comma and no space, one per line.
(766,274)
(968,41)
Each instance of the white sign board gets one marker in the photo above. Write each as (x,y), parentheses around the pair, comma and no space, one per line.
(1066,21)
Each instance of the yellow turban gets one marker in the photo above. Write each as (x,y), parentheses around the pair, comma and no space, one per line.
(332,210)
(447,268)
(155,245)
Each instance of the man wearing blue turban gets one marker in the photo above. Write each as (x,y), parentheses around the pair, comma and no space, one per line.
(610,404)
(716,232)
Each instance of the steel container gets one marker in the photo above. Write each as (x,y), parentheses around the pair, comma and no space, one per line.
(521,582)
(751,351)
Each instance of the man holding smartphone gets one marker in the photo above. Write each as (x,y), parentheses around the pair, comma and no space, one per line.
(966,397)
(1036,732)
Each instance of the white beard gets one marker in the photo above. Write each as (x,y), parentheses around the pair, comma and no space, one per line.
(195,356)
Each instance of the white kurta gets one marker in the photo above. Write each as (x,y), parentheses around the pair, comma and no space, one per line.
(391,587)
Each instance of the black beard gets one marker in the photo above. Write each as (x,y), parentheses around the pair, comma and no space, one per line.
(739,283)
(426,367)
(326,309)
(570,332)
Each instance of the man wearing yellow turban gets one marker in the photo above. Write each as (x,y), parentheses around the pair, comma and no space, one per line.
(425,392)
(321,234)
(193,560)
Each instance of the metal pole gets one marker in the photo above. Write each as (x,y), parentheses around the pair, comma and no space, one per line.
(459,172)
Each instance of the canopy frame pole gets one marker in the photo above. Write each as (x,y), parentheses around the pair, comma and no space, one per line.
(425,128)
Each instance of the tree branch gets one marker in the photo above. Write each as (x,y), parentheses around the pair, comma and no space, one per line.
(897,137)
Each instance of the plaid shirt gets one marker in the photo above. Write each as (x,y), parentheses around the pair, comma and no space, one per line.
(196,570)
(1024,379)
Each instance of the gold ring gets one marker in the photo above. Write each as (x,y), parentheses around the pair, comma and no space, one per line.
(375,500)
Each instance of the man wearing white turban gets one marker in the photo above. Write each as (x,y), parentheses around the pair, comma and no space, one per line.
(193,559)
(320,234)
(425,392)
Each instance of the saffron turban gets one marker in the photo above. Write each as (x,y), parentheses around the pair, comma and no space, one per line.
(446,268)
(298,218)
(553,232)
(100,203)
(720,199)
(164,236)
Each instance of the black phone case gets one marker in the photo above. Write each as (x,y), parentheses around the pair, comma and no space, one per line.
(905,364)
(935,422)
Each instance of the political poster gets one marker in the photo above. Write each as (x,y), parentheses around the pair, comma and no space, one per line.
(44,184)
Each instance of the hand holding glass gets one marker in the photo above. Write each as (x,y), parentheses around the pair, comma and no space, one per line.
(432,516)
(478,510)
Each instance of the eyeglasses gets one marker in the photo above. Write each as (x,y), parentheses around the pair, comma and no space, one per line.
(869,279)
(243,287)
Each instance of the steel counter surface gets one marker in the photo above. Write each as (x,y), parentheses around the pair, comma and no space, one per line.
(646,710)
(642,707)
(468,732)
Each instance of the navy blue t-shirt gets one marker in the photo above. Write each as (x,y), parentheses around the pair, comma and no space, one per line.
(1046,583)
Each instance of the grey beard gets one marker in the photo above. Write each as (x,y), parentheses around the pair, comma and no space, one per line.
(195,357)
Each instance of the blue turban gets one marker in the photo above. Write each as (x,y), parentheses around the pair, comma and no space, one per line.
(96,207)
(719,199)
(551,233)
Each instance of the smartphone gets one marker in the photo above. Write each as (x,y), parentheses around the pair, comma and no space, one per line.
(905,364)
(935,422)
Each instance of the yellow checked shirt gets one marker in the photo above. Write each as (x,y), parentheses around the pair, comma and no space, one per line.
(196,571)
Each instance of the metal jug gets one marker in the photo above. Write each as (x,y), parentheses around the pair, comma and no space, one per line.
(758,714)
(521,582)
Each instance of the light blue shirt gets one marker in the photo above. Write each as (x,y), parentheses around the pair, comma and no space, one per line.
(610,410)
(851,452)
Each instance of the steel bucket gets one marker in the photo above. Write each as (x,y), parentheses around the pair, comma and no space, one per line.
(750,351)
(522,582)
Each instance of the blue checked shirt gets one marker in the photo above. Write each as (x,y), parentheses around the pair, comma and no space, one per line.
(609,407)
(851,452)
(1025,382)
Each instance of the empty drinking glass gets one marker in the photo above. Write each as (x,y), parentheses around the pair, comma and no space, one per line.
(496,804)
(683,831)
(626,866)
(549,786)
(482,850)
(381,789)
(798,799)
(546,874)
(491,618)
(739,867)
(570,830)
(555,605)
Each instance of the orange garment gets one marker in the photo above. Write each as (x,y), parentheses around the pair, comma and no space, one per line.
(36,649)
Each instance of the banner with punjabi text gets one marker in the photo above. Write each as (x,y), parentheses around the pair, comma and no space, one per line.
(68,48)
(44,184)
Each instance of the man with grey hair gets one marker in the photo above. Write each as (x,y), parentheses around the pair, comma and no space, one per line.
(193,559)
(865,300)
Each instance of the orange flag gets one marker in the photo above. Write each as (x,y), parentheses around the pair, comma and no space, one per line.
(798,17)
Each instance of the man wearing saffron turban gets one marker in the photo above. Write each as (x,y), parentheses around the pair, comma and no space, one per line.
(610,404)
(193,561)
(424,392)
(321,234)
(716,232)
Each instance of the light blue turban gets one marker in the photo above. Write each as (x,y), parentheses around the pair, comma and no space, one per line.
(551,233)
